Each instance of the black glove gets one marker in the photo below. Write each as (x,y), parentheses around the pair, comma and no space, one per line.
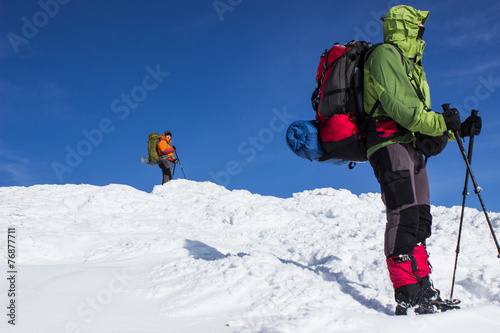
(471,126)
(452,119)
(174,147)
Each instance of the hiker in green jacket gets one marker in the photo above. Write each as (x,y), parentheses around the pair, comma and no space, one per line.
(396,79)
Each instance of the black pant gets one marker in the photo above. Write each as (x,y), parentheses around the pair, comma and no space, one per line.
(166,168)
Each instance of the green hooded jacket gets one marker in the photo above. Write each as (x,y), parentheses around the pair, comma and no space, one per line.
(387,78)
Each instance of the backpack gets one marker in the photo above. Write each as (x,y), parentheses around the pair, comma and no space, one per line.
(153,140)
(341,122)
(338,102)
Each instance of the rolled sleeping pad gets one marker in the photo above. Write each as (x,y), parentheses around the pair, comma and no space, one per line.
(303,140)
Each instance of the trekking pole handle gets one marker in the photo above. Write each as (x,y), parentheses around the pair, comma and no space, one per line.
(473,113)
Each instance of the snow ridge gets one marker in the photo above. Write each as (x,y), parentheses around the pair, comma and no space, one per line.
(196,257)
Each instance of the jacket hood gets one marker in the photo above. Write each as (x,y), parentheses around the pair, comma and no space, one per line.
(401,28)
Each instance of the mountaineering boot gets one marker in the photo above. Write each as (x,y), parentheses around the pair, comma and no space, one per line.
(431,292)
(426,307)
(412,296)
(446,305)
(401,309)
(434,298)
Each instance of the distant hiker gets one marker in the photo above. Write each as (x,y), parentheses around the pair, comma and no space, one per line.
(398,166)
(166,153)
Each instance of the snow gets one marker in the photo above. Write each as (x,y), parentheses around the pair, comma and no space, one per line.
(196,257)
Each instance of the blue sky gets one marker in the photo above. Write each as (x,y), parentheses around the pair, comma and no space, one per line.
(83,83)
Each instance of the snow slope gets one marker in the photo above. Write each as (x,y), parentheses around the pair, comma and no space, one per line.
(195,257)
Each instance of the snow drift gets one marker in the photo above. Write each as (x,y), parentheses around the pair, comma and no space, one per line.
(195,257)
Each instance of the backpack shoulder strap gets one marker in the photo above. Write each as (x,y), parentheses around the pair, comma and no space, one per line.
(366,117)
(395,46)
(371,50)
(377,103)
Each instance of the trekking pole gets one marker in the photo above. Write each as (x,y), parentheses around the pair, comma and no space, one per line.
(178,160)
(464,194)
(477,188)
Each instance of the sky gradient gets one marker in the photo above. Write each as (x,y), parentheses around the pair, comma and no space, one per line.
(83,83)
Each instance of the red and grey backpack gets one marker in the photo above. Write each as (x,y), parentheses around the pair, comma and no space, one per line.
(338,102)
